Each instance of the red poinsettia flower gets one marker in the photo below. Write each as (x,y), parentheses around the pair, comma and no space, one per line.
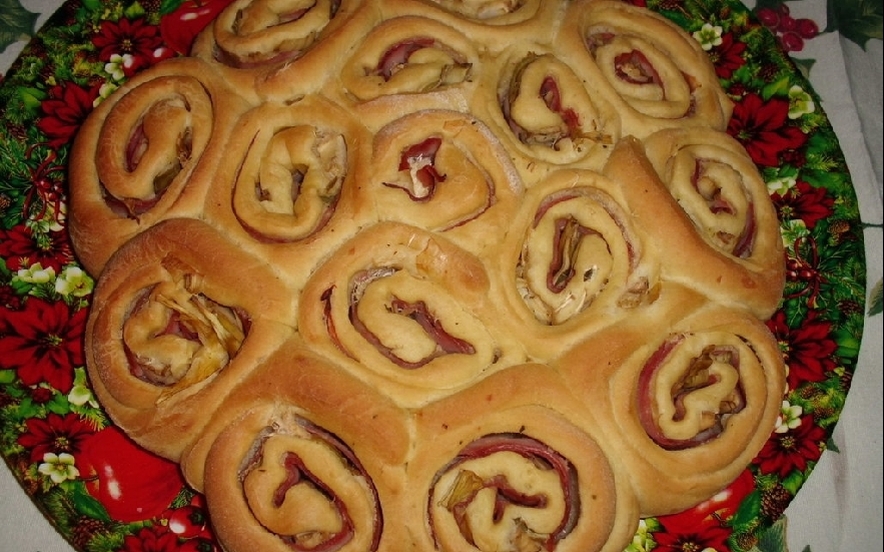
(64,111)
(43,342)
(134,37)
(55,434)
(805,202)
(763,129)
(156,538)
(807,349)
(785,452)
(21,248)
(728,56)
(706,538)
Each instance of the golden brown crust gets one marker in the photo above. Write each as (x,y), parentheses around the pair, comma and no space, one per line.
(755,282)
(301,452)
(685,404)
(147,152)
(716,183)
(422,264)
(169,334)
(295,378)
(657,75)
(519,434)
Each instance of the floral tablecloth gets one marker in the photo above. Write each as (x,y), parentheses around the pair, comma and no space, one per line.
(837,43)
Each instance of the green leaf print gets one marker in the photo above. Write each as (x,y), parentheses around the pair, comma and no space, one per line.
(857,20)
(875,300)
(16,23)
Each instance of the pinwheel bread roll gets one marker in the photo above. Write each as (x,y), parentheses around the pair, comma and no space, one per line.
(407,311)
(508,465)
(146,153)
(278,50)
(304,456)
(685,404)
(446,172)
(545,113)
(404,64)
(572,262)
(717,184)
(179,316)
(291,187)
(658,76)
(692,258)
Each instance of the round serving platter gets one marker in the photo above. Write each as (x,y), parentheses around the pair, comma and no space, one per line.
(104,493)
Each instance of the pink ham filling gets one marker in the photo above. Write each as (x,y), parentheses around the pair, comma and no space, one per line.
(534,450)
(418,311)
(552,97)
(298,473)
(397,56)
(717,204)
(446,343)
(423,155)
(633,67)
(645,390)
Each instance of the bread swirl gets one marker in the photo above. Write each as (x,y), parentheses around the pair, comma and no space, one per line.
(147,153)
(685,403)
(169,337)
(518,436)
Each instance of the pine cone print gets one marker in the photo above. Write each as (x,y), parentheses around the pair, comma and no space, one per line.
(774,501)
(84,529)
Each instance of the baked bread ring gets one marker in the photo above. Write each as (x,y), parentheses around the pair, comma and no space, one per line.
(432,275)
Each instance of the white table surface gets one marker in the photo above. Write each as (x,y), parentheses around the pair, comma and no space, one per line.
(839,509)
